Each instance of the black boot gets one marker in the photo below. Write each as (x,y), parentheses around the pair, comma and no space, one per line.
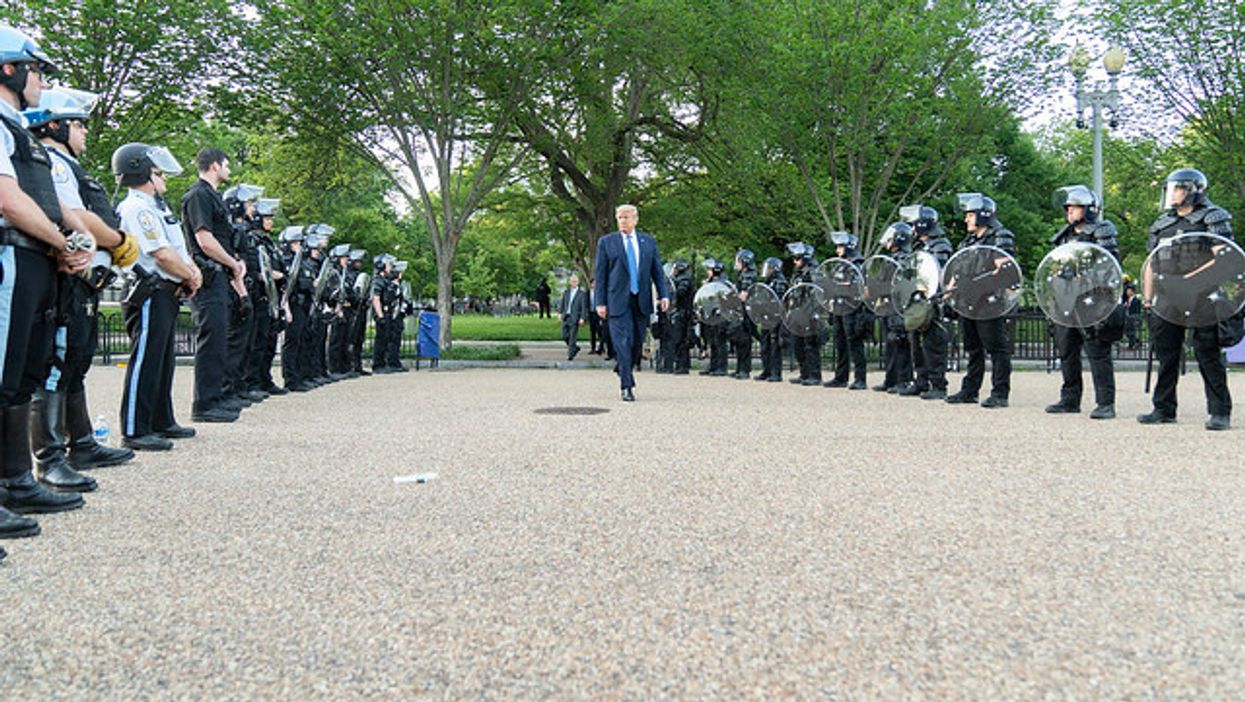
(13,526)
(47,437)
(84,452)
(24,494)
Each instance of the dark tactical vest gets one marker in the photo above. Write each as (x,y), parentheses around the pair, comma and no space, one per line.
(1102,233)
(93,194)
(1208,217)
(34,169)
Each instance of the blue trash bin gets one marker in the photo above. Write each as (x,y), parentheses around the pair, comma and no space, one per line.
(428,342)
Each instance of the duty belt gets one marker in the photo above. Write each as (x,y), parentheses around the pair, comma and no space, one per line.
(12,237)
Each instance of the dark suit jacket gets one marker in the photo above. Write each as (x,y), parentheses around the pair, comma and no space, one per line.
(613,279)
(578,310)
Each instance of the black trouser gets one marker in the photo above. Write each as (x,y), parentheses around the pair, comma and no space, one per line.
(932,370)
(241,338)
(771,352)
(1168,342)
(741,344)
(981,338)
(147,399)
(358,335)
(380,342)
(544,309)
(594,331)
(898,356)
(263,349)
(339,341)
(1068,344)
(293,368)
(76,336)
(395,341)
(680,333)
(715,337)
(570,336)
(849,349)
(28,295)
(807,351)
(314,336)
(211,311)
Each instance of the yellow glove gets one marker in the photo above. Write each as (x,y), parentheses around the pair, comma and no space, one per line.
(126,253)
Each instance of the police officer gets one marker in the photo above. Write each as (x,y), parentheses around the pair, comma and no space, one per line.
(742,333)
(771,341)
(61,428)
(297,295)
(210,238)
(807,349)
(851,329)
(715,335)
(315,334)
(31,249)
(1188,209)
(403,307)
(383,298)
(988,336)
(341,323)
(164,269)
(897,242)
(269,272)
(361,298)
(930,343)
(680,313)
(1083,214)
(240,201)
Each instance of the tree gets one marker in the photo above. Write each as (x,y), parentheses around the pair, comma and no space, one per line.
(150,62)
(407,82)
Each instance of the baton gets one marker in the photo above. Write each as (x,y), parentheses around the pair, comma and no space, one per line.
(1149,365)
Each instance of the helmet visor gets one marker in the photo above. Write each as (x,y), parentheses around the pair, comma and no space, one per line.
(1175,193)
(164,160)
(910,213)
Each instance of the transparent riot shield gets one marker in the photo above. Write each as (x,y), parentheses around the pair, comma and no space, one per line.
(843,283)
(1078,284)
(916,280)
(982,282)
(764,307)
(717,302)
(804,310)
(879,272)
(1194,279)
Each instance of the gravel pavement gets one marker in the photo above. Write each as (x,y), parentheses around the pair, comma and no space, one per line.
(716,539)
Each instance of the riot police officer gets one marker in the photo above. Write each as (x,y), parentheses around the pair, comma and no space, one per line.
(742,333)
(297,294)
(807,349)
(771,341)
(361,296)
(1083,214)
(343,312)
(851,329)
(315,334)
(929,345)
(989,336)
(240,201)
(61,428)
(896,240)
(163,271)
(403,307)
(269,314)
(681,314)
(1188,209)
(384,296)
(715,335)
(31,248)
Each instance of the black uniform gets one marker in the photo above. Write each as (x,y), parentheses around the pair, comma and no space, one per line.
(982,337)
(293,358)
(930,344)
(358,333)
(1097,340)
(681,319)
(387,290)
(743,332)
(267,325)
(315,332)
(342,327)
(771,341)
(243,315)
(807,349)
(850,332)
(203,208)
(715,336)
(1168,339)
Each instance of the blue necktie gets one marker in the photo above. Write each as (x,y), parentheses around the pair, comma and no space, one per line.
(631,263)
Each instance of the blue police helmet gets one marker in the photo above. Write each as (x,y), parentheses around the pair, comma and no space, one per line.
(17,47)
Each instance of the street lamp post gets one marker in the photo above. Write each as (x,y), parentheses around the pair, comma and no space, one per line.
(1097,100)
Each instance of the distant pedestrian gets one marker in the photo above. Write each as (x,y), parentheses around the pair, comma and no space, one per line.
(573,311)
(542,298)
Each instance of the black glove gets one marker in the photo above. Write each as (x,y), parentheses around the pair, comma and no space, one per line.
(244,308)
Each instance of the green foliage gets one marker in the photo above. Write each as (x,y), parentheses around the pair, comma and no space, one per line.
(502,352)
(482,327)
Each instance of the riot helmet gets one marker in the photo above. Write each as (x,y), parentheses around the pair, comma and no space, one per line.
(983,208)
(924,220)
(340,250)
(291,235)
(237,197)
(713,265)
(133,164)
(322,230)
(1078,196)
(771,267)
(378,262)
(897,237)
(400,267)
(847,240)
(680,265)
(1191,182)
(799,250)
(267,206)
(60,106)
(745,258)
(357,255)
(17,48)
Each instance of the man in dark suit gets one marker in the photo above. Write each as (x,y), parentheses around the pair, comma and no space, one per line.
(627,267)
(573,311)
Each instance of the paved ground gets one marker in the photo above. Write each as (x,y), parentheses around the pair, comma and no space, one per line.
(714,540)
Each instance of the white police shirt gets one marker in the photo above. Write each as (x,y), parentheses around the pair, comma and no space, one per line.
(154,227)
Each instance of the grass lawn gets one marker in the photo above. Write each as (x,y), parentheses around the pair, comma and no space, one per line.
(483,327)
(503,352)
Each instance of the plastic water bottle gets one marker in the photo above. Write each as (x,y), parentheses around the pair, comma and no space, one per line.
(102,432)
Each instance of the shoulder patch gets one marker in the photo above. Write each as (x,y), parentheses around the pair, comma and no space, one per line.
(60,172)
(147,222)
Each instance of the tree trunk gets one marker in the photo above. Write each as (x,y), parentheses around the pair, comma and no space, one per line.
(445,293)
